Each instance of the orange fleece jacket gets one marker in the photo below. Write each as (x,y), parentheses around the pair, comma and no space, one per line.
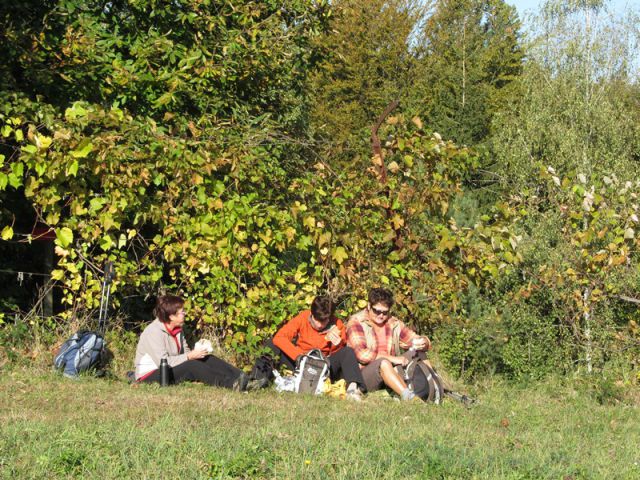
(306,337)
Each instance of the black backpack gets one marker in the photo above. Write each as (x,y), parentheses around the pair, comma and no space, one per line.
(427,384)
(424,381)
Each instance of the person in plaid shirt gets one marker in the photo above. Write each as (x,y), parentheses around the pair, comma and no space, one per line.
(377,337)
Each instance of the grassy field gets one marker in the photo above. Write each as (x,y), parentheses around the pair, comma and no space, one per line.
(98,428)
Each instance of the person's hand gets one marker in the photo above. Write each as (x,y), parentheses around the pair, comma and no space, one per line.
(197,353)
(421,343)
(400,360)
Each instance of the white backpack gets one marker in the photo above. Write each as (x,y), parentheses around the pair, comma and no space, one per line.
(311,372)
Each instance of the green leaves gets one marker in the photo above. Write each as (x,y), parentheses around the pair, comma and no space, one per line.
(15,177)
(106,242)
(72,168)
(76,111)
(84,148)
(181,152)
(64,236)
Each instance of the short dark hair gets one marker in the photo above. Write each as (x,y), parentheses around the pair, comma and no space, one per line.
(167,305)
(322,307)
(380,295)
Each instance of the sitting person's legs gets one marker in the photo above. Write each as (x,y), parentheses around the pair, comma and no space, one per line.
(392,378)
(381,373)
(210,370)
(371,375)
(344,364)
(265,364)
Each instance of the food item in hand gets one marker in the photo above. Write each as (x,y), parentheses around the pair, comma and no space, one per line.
(205,344)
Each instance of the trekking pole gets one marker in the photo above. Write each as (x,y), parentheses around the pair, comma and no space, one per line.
(465,400)
(104,297)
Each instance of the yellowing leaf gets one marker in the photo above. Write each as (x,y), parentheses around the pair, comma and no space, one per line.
(290,232)
(84,148)
(57,274)
(340,255)
(309,222)
(42,141)
(75,111)
(324,238)
(254,294)
(7,233)
(397,221)
(64,236)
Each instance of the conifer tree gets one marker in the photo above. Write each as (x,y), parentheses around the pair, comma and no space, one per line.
(471,54)
(370,62)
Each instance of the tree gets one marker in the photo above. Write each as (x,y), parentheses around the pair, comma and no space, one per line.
(471,55)
(575,111)
(370,62)
(575,115)
(162,136)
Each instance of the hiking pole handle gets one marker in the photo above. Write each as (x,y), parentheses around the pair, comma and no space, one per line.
(108,272)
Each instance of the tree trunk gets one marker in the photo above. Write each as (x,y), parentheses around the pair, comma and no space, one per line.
(588,354)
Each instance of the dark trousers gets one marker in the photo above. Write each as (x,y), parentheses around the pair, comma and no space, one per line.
(210,370)
(342,364)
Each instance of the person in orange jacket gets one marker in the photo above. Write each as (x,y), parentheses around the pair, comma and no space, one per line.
(317,328)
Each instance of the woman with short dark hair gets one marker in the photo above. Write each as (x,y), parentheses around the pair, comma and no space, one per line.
(163,338)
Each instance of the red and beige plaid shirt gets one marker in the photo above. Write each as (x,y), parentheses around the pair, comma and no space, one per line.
(366,351)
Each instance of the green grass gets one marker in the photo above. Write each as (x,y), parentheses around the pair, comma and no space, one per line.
(98,428)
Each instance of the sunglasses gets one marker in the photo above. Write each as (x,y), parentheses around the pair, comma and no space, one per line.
(377,312)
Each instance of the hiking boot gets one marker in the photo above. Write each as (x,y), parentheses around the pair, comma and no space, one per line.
(257,384)
(407,395)
(240,385)
(353,393)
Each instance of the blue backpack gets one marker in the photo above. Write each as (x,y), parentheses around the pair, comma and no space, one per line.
(84,351)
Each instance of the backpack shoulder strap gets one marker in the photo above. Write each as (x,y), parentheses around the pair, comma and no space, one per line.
(395,338)
(368,333)
(436,395)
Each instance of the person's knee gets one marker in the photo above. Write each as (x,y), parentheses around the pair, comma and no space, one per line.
(268,344)
(348,352)
(386,366)
(198,367)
